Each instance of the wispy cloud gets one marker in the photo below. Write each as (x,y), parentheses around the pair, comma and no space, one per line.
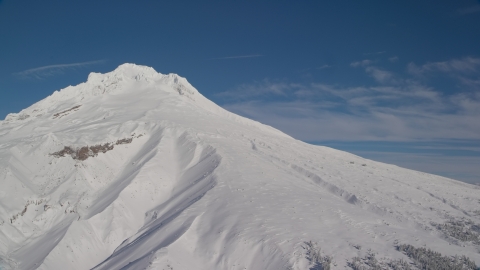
(375,53)
(362,63)
(393,59)
(257,89)
(465,65)
(324,66)
(465,71)
(366,118)
(463,168)
(469,10)
(51,70)
(381,76)
(378,74)
(238,57)
(397,108)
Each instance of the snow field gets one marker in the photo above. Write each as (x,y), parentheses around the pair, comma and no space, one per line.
(199,188)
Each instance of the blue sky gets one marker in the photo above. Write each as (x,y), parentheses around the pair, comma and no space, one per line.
(394,81)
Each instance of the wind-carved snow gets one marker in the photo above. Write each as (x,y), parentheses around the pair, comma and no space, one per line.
(169,180)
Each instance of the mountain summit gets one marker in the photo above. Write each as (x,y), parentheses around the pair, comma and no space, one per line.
(134,169)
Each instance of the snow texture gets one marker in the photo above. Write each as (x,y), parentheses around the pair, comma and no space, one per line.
(134,169)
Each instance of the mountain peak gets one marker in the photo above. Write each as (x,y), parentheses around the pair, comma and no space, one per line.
(125,79)
(134,169)
(125,71)
(132,73)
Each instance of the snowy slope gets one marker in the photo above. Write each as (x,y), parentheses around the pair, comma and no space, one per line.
(137,170)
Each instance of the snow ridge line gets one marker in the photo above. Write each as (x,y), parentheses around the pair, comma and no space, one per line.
(339,192)
(168,220)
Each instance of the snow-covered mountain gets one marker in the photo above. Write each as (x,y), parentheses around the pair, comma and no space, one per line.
(137,170)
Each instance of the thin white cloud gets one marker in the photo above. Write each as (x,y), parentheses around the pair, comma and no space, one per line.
(396,109)
(469,10)
(464,168)
(466,65)
(324,66)
(466,71)
(375,53)
(51,70)
(393,59)
(368,120)
(381,76)
(446,147)
(362,63)
(473,83)
(263,88)
(238,57)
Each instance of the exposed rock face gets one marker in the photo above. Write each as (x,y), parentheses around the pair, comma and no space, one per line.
(82,153)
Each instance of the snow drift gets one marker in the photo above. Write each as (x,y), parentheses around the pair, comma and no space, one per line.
(134,169)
